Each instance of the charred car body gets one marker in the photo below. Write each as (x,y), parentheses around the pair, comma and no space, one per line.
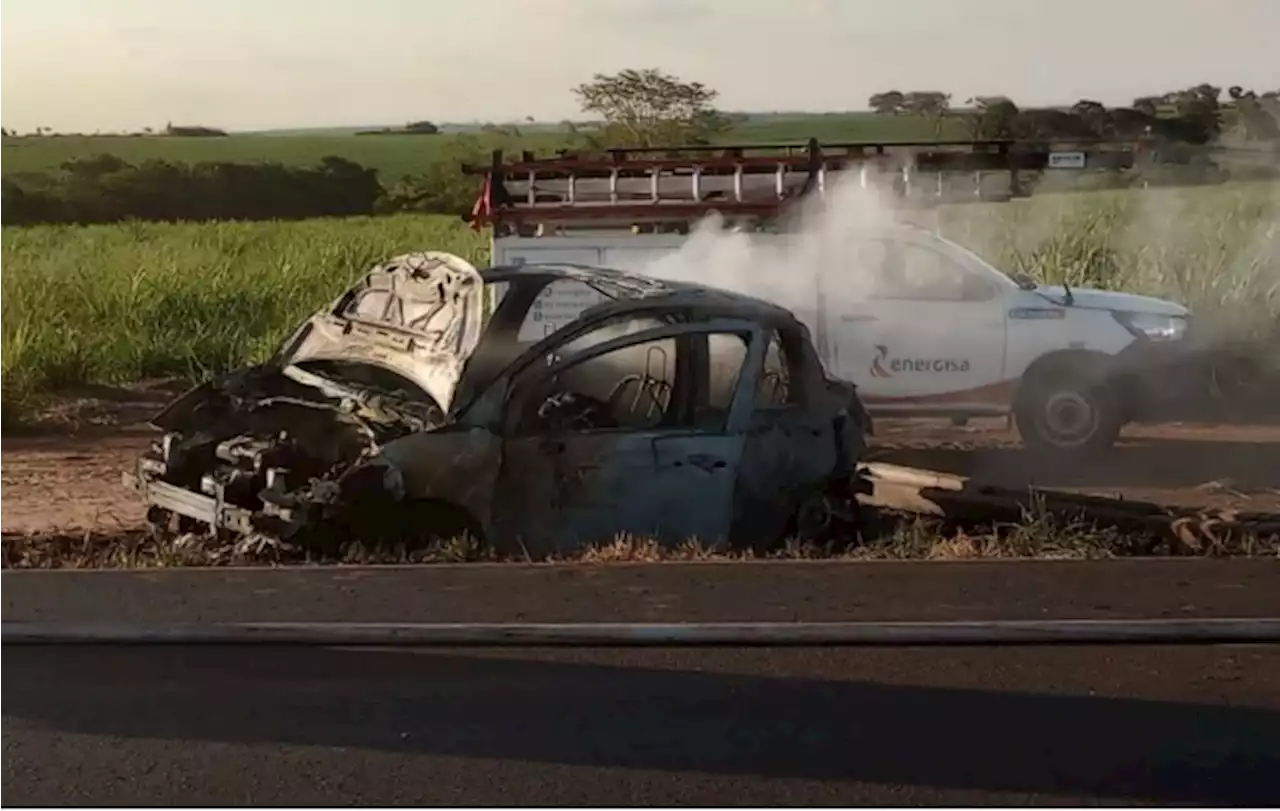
(405,412)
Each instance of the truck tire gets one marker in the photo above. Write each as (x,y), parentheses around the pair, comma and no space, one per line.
(1067,413)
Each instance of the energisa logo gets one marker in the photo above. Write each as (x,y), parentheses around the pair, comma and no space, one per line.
(883,366)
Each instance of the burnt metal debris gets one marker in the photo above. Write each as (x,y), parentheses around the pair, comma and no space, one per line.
(431,400)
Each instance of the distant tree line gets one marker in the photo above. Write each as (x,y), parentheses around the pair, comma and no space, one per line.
(634,107)
(104,189)
(194,131)
(1196,115)
(169,131)
(412,128)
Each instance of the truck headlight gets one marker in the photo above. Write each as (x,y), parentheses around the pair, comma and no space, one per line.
(1153,326)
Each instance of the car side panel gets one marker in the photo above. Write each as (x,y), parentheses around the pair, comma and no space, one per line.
(787,453)
(456,465)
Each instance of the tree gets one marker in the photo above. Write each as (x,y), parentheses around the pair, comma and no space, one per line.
(887,103)
(1149,105)
(1131,122)
(1094,115)
(1200,111)
(931,104)
(421,128)
(651,108)
(926,102)
(993,118)
(1260,117)
(193,131)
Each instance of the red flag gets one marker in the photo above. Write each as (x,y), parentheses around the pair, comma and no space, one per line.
(483,208)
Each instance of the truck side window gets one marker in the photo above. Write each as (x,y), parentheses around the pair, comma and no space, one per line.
(909,271)
(559,303)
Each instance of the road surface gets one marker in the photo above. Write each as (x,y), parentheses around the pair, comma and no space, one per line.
(811,591)
(226,725)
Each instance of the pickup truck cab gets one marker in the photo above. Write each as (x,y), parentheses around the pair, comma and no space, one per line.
(924,327)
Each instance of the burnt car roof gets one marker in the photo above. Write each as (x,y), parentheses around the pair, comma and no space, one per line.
(630,291)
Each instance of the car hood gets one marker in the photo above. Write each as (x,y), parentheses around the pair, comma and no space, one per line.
(1091,298)
(419,315)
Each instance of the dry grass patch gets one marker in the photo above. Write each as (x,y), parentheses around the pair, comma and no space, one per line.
(1040,535)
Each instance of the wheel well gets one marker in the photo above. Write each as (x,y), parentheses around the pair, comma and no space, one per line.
(452,519)
(1074,362)
(379,518)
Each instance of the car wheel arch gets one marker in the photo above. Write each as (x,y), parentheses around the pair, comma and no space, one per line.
(1063,362)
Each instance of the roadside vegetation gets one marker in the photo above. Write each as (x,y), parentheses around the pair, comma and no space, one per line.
(224,276)
(1040,535)
(116,304)
(113,304)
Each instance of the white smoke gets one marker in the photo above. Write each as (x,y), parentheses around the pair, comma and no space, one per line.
(819,241)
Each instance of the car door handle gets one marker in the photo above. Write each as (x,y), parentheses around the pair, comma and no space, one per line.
(859,317)
(550,445)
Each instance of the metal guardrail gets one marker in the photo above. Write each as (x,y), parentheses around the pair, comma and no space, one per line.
(843,634)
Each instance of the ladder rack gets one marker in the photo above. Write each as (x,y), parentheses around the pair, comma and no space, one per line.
(755,183)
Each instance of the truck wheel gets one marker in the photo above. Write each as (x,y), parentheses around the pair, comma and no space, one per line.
(1067,414)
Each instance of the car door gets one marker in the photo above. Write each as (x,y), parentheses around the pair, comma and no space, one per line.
(790,447)
(926,332)
(626,437)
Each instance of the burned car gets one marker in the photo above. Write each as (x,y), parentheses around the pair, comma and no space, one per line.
(538,408)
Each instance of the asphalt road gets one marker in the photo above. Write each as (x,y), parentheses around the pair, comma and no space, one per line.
(701,592)
(259,726)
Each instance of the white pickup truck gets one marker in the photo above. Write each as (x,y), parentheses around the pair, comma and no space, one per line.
(934,330)
(922,326)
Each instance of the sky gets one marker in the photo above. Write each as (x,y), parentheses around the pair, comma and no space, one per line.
(111,65)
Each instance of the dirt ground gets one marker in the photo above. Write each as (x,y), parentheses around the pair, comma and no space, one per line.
(67,477)
(1182,464)
(64,474)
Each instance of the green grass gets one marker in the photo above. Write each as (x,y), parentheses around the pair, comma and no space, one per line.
(1215,249)
(395,156)
(115,304)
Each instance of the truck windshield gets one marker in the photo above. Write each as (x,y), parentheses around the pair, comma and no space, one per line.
(1020,280)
